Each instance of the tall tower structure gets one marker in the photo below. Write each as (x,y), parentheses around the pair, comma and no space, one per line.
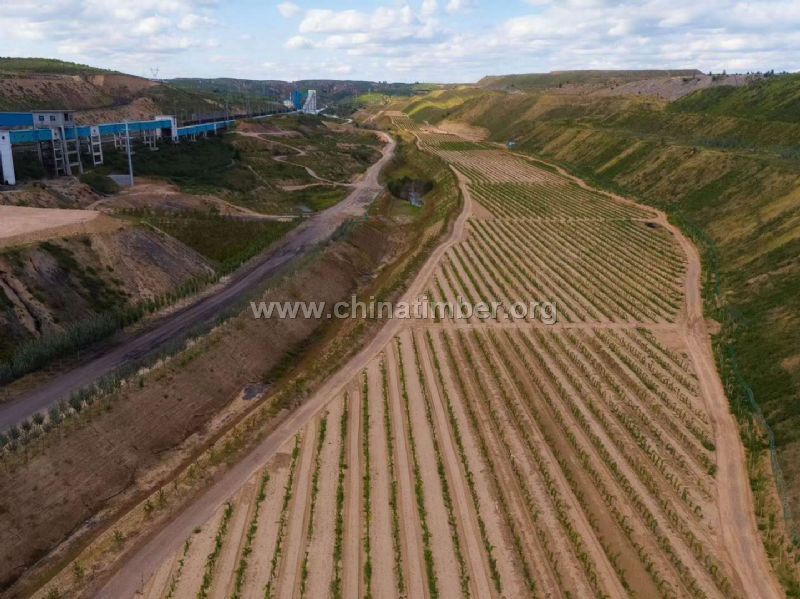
(310,107)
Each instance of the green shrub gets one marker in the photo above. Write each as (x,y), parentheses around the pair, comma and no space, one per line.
(226,241)
(99,183)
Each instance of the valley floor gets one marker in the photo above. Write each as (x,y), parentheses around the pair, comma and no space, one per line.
(499,457)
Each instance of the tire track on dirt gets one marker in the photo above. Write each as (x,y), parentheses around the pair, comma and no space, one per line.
(410,533)
(351,555)
(288,578)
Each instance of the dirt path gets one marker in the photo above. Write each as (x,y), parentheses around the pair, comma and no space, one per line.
(285,160)
(20,225)
(351,553)
(158,191)
(206,309)
(735,500)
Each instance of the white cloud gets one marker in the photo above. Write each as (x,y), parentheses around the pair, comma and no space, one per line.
(193,21)
(289,10)
(328,21)
(409,39)
(454,6)
(151,25)
(429,8)
(298,42)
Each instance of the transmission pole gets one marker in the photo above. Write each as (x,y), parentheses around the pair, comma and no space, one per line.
(128,147)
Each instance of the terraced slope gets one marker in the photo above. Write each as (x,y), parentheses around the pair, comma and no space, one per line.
(504,457)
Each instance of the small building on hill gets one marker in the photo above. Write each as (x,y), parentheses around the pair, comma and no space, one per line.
(40,119)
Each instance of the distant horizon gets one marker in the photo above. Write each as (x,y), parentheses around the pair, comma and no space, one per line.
(665,70)
(444,41)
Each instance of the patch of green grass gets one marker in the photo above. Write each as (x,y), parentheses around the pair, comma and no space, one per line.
(100,295)
(320,198)
(542,81)
(228,242)
(185,105)
(4,301)
(47,65)
(370,99)
(773,98)
(201,166)
(99,183)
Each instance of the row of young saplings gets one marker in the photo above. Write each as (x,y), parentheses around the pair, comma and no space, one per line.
(18,436)
(336,590)
(39,424)
(623,288)
(38,352)
(490,166)
(675,517)
(561,200)
(651,522)
(502,275)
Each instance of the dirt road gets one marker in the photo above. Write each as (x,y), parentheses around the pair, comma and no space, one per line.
(23,225)
(205,311)
(20,220)
(740,532)
(146,560)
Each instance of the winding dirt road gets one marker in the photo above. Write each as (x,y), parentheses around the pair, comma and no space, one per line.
(207,309)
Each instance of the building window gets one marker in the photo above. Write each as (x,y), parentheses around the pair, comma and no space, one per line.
(52,118)
(41,118)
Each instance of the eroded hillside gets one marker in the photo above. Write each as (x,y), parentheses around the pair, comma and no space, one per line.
(46,288)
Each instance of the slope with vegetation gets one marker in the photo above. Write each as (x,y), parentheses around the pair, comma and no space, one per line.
(723,164)
(38,83)
(58,297)
(530,82)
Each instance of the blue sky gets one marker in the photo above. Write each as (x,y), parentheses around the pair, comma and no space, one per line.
(399,40)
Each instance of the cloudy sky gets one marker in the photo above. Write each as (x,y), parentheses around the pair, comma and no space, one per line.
(399,40)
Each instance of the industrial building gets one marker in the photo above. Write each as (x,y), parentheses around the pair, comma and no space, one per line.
(63,147)
(308,105)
